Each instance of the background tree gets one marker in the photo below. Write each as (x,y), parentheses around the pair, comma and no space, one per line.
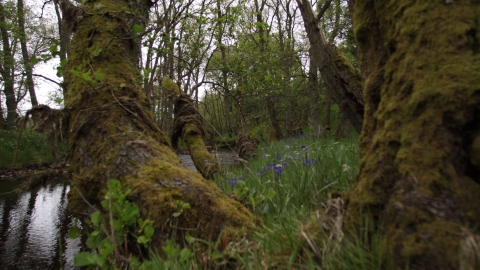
(26,41)
(340,77)
(420,144)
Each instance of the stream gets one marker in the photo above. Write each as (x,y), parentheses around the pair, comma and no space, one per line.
(34,226)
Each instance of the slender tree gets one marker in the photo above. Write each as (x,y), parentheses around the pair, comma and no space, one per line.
(28,66)
(7,69)
(420,143)
(113,135)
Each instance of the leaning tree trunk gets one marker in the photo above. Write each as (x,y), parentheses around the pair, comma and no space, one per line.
(420,143)
(188,125)
(340,77)
(113,135)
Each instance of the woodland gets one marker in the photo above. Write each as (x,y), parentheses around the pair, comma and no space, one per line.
(137,81)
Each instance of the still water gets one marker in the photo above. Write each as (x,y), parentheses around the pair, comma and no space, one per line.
(34,226)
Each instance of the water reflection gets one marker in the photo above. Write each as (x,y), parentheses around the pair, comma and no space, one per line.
(33,225)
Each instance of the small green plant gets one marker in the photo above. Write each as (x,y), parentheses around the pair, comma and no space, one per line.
(251,197)
(112,232)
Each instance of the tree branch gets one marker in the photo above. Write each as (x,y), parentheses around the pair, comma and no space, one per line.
(324,8)
(48,79)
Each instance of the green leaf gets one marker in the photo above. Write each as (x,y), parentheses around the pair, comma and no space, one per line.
(137,28)
(53,50)
(74,232)
(270,194)
(99,75)
(34,60)
(74,72)
(97,52)
(190,239)
(88,259)
(114,185)
(147,71)
(170,249)
(142,240)
(149,230)
(107,251)
(185,254)
(95,218)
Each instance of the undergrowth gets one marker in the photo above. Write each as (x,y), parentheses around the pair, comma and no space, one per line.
(32,148)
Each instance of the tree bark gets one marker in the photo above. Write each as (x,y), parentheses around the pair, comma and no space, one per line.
(113,135)
(420,143)
(6,69)
(26,57)
(314,93)
(340,77)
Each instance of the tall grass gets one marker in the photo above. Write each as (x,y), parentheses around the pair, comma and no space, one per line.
(32,148)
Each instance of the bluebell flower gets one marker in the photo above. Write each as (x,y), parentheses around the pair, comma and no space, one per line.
(278,157)
(270,166)
(233,181)
(285,164)
(299,156)
(278,172)
(309,161)
(303,147)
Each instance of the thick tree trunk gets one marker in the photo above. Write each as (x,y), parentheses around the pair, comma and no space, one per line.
(340,77)
(113,135)
(314,93)
(420,143)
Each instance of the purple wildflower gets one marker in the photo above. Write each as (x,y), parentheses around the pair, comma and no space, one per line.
(309,161)
(303,147)
(278,172)
(270,166)
(278,157)
(285,164)
(233,181)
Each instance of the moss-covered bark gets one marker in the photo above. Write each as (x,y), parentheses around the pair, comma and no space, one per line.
(112,134)
(419,148)
(188,125)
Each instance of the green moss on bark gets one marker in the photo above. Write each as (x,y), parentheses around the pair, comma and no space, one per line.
(419,169)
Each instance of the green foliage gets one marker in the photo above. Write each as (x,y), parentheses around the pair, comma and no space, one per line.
(32,148)
(119,221)
(88,76)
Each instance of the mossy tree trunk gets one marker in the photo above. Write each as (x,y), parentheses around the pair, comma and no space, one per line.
(340,77)
(188,125)
(420,143)
(113,135)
